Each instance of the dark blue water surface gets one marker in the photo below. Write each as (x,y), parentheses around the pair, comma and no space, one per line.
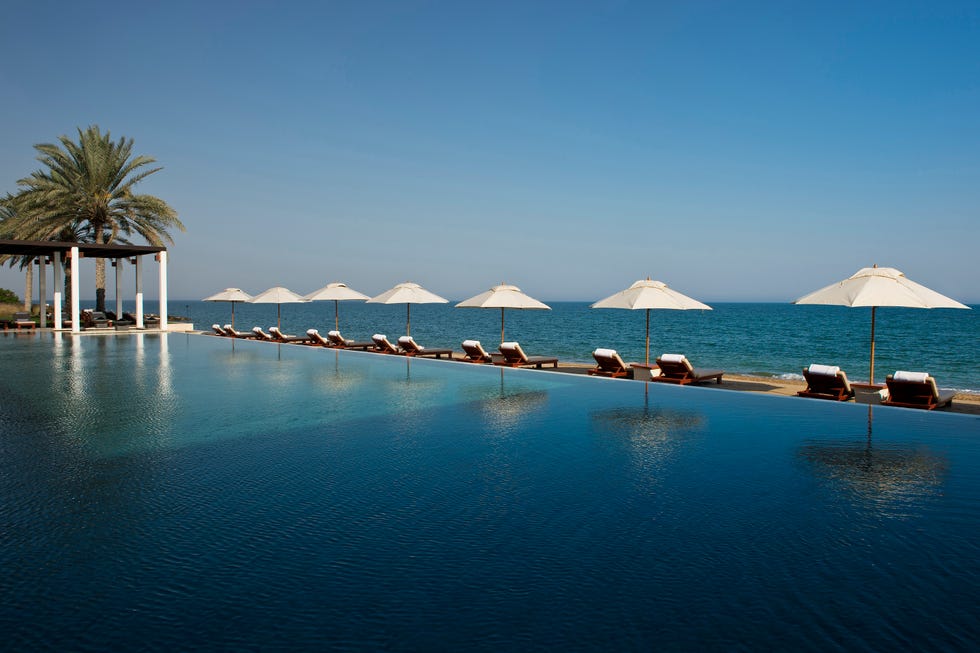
(187,492)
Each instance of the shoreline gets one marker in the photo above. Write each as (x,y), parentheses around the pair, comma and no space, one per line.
(964,403)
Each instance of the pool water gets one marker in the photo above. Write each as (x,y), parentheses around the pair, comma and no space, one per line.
(165,492)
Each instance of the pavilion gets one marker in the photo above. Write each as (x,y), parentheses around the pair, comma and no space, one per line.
(56,253)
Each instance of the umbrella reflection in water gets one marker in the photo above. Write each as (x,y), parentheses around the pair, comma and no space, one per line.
(889,476)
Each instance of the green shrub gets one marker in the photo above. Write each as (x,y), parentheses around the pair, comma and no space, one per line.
(9,297)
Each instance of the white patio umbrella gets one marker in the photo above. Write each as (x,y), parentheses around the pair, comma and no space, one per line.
(408,293)
(648,295)
(278,295)
(503,296)
(229,295)
(876,287)
(336,292)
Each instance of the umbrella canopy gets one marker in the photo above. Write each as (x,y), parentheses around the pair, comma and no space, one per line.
(230,295)
(876,287)
(503,296)
(649,295)
(408,293)
(278,295)
(336,292)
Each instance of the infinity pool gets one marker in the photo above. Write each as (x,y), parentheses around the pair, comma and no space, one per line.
(188,492)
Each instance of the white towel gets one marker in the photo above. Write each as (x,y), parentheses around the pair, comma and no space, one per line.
(312,332)
(472,343)
(335,334)
(379,336)
(510,346)
(672,358)
(605,353)
(824,370)
(227,326)
(914,377)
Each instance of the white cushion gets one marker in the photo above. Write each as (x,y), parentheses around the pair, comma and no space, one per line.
(604,353)
(379,336)
(914,377)
(472,343)
(672,358)
(335,334)
(312,332)
(509,345)
(227,326)
(274,330)
(824,370)
(256,329)
(215,326)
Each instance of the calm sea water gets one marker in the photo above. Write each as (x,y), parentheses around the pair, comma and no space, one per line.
(182,492)
(759,339)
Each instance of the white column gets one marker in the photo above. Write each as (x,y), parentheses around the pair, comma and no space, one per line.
(119,263)
(42,284)
(76,317)
(139,292)
(162,257)
(59,280)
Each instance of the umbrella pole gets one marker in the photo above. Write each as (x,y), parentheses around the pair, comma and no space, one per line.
(871,375)
(233,315)
(336,315)
(501,325)
(279,316)
(408,318)
(648,337)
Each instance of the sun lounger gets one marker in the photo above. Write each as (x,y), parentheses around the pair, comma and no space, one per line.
(514,356)
(316,339)
(337,340)
(412,348)
(826,382)
(475,353)
(95,320)
(22,320)
(383,345)
(279,336)
(219,330)
(608,363)
(675,368)
(915,390)
(260,334)
(244,335)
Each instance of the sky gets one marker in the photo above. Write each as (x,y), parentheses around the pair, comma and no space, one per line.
(737,151)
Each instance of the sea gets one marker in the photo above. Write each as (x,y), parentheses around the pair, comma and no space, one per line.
(774,340)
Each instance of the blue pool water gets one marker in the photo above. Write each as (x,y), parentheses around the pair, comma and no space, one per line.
(178,492)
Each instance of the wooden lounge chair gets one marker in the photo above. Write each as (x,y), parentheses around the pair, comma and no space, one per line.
(915,390)
(22,320)
(514,356)
(95,320)
(219,330)
(608,363)
(279,336)
(412,348)
(826,382)
(244,335)
(383,345)
(260,334)
(337,340)
(675,368)
(475,353)
(316,339)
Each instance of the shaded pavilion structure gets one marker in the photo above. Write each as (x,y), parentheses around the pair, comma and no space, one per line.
(58,254)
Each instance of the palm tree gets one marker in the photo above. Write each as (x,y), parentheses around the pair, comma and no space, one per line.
(88,186)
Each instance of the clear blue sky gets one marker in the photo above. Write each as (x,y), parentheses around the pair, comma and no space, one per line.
(734,150)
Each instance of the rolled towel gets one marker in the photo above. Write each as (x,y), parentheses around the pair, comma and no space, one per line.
(510,345)
(312,332)
(378,337)
(275,330)
(672,358)
(227,326)
(824,370)
(335,334)
(472,343)
(604,353)
(913,377)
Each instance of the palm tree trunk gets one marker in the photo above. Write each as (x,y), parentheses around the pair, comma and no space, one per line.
(28,286)
(99,274)
(67,306)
